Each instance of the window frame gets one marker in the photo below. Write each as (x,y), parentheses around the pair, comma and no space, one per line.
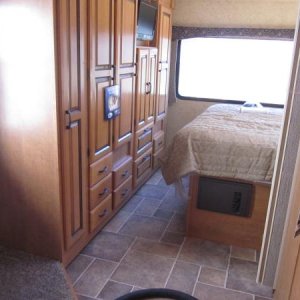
(213,100)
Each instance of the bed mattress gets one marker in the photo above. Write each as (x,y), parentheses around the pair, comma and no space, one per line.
(225,141)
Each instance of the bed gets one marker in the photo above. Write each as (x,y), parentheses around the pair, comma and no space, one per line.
(225,141)
(229,143)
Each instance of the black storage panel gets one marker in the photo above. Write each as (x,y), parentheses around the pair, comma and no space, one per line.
(224,196)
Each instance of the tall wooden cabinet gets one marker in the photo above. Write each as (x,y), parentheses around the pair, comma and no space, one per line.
(65,170)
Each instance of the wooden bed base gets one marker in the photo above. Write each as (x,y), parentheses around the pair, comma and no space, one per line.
(229,229)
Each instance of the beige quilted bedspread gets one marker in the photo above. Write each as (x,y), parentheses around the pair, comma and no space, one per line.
(225,142)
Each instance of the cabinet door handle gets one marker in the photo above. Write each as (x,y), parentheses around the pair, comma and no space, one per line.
(146,130)
(104,213)
(150,87)
(105,191)
(160,143)
(125,192)
(147,90)
(125,173)
(104,170)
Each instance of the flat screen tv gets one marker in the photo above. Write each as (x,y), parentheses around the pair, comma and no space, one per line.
(146,20)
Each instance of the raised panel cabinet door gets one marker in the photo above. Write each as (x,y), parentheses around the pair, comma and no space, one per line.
(126,18)
(123,124)
(72,55)
(142,88)
(101,72)
(164,47)
(152,76)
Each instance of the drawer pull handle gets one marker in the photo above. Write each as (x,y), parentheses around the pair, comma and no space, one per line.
(125,174)
(146,130)
(125,192)
(146,158)
(104,170)
(104,213)
(105,191)
(160,143)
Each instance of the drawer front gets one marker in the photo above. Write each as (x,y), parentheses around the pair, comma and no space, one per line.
(158,142)
(142,167)
(156,157)
(100,191)
(144,140)
(123,192)
(122,172)
(100,213)
(100,169)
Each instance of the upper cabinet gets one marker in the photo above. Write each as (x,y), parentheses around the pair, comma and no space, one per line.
(125,49)
(146,86)
(101,74)
(164,31)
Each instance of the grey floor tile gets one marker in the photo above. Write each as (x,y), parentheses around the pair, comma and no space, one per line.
(132,204)
(183,277)
(212,276)
(261,298)
(108,245)
(156,248)
(81,297)
(77,266)
(95,277)
(242,277)
(205,253)
(173,238)
(146,227)
(208,292)
(152,191)
(143,270)
(173,202)
(147,207)
(177,224)
(117,222)
(155,178)
(113,290)
(163,214)
(243,253)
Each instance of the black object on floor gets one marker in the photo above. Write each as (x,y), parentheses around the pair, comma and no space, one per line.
(156,293)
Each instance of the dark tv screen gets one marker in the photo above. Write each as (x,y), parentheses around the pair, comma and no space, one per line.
(146,21)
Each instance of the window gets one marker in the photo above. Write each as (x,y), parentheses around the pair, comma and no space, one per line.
(225,69)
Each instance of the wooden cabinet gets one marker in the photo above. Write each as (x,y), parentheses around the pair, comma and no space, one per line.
(164,31)
(146,86)
(76,169)
(101,74)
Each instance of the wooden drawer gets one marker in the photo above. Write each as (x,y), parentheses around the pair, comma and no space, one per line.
(100,213)
(100,169)
(143,141)
(156,156)
(123,192)
(158,142)
(100,191)
(142,167)
(122,171)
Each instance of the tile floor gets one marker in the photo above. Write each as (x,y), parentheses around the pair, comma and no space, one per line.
(145,246)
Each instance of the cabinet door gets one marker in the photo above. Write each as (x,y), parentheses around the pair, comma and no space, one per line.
(142,91)
(123,124)
(152,75)
(73,101)
(101,68)
(126,15)
(164,46)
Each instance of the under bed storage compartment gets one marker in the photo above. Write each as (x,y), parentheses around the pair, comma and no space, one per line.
(207,220)
(223,196)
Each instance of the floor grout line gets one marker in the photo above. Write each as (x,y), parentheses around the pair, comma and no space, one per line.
(197,280)
(173,266)
(114,269)
(168,224)
(228,264)
(83,272)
